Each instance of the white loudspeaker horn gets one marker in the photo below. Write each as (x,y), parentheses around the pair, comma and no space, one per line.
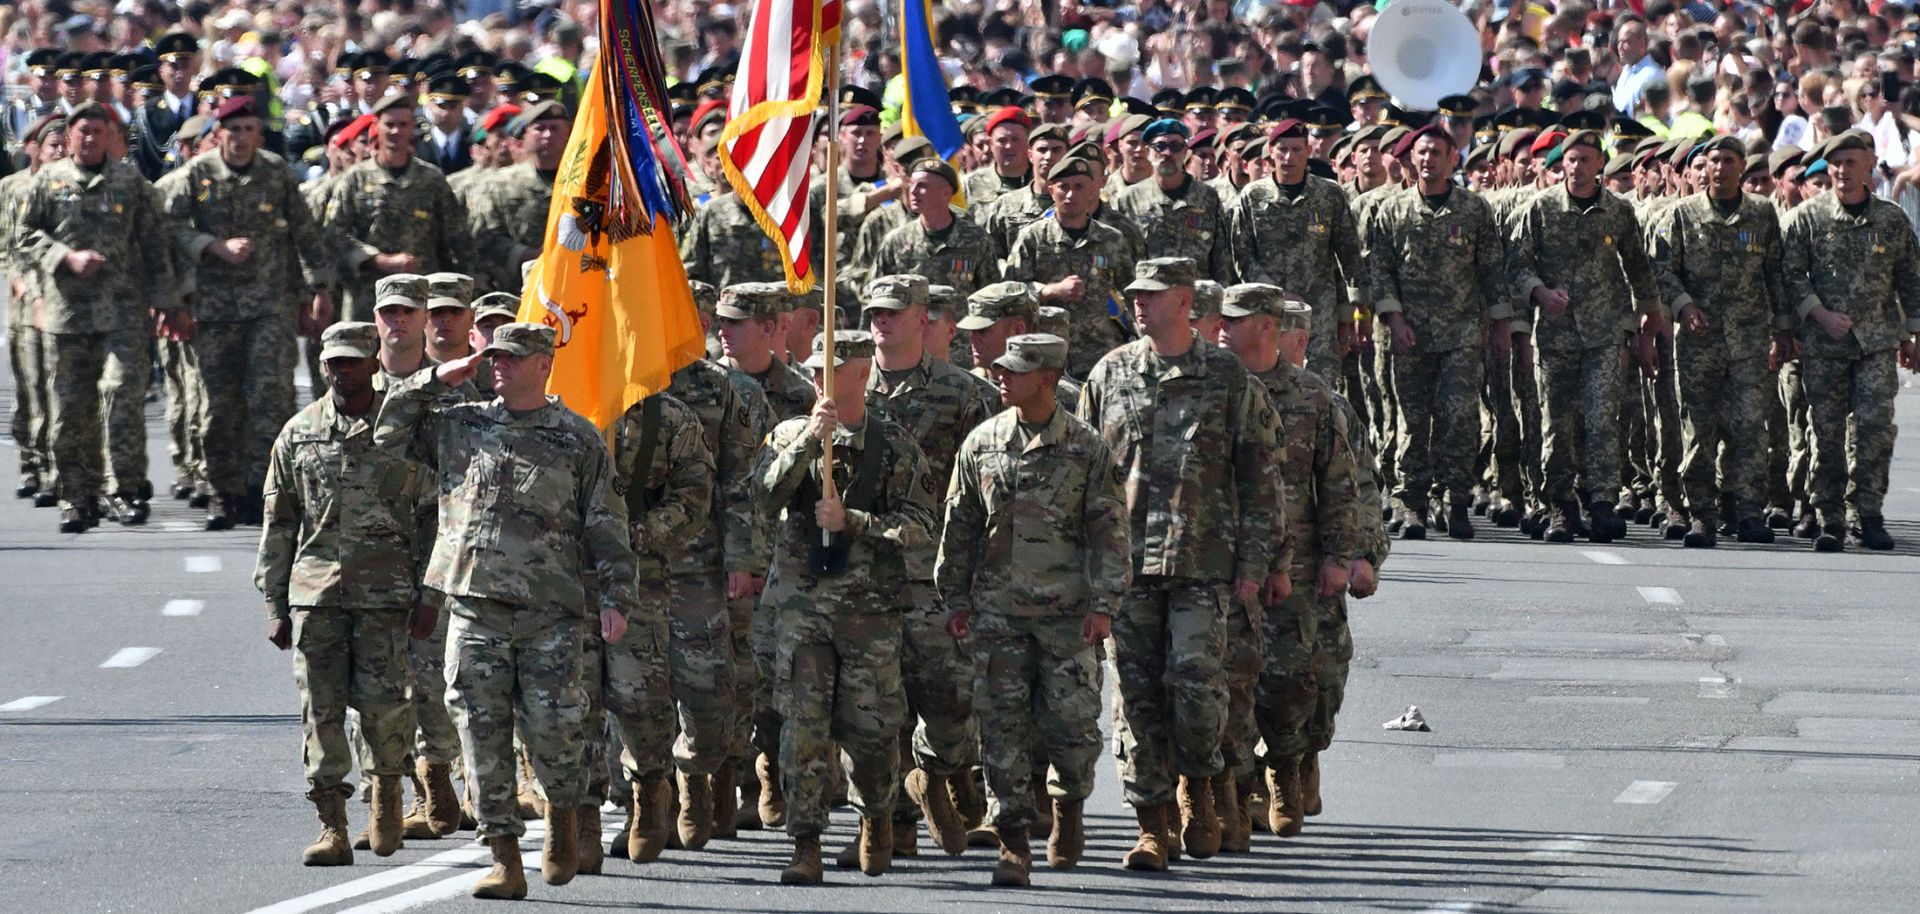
(1422,51)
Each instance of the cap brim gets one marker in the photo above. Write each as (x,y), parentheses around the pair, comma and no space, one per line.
(433,303)
(485,313)
(1238,311)
(338,351)
(975,322)
(817,362)
(512,349)
(1016,364)
(885,304)
(1147,285)
(731,313)
(399,300)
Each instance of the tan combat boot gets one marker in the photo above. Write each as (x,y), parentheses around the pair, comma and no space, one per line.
(1170,833)
(507,881)
(1200,834)
(773,801)
(617,848)
(1283,799)
(332,848)
(560,858)
(726,799)
(649,834)
(967,798)
(1016,858)
(1150,852)
(1069,835)
(1042,804)
(747,816)
(696,810)
(906,839)
(1310,783)
(590,854)
(943,821)
(876,845)
(383,835)
(532,806)
(1254,800)
(442,801)
(1236,836)
(805,868)
(414,823)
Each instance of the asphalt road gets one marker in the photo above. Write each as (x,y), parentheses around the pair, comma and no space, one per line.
(1632,727)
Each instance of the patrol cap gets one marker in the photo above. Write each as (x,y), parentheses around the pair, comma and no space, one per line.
(705,297)
(408,290)
(522,340)
(1032,352)
(449,290)
(1055,320)
(943,301)
(1296,315)
(350,340)
(1206,298)
(897,292)
(1070,167)
(1249,299)
(932,165)
(847,346)
(998,302)
(745,300)
(1162,273)
(496,304)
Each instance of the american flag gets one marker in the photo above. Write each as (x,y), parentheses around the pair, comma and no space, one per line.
(767,144)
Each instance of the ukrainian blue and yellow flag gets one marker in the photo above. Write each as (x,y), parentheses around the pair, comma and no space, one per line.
(927,109)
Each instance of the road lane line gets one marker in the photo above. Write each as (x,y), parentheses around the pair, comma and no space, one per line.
(182,526)
(203,564)
(30,702)
(1645,793)
(1565,844)
(183,607)
(1603,557)
(445,860)
(1665,595)
(1453,907)
(127,658)
(460,884)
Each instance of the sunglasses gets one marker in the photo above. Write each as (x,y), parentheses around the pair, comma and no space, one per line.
(1166,147)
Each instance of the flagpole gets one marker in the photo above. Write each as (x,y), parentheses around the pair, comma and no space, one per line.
(830,313)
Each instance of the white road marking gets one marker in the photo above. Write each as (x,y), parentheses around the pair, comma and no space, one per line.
(1716,687)
(1453,907)
(1587,700)
(182,526)
(457,885)
(30,702)
(1603,557)
(460,857)
(1565,844)
(183,607)
(1645,793)
(130,657)
(203,564)
(1660,595)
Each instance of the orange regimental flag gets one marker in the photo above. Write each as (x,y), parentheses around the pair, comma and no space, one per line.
(618,299)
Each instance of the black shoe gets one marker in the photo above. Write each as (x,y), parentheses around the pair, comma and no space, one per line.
(1481,506)
(253,510)
(1807,528)
(128,511)
(1459,525)
(1644,516)
(199,500)
(1752,530)
(29,486)
(1832,538)
(1600,523)
(1561,527)
(45,500)
(182,491)
(1413,530)
(1386,513)
(1438,522)
(1700,535)
(1872,533)
(1508,516)
(1674,530)
(94,510)
(1628,507)
(1778,519)
(143,491)
(1394,524)
(1728,527)
(220,515)
(73,520)
(1658,518)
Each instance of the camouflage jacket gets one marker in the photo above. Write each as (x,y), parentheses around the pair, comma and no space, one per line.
(1307,245)
(526,506)
(1726,266)
(1099,320)
(342,516)
(1441,269)
(508,213)
(1595,255)
(963,256)
(1861,266)
(984,185)
(1368,482)
(901,515)
(1229,194)
(725,246)
(938,404)
(1005,217)
(207,202)
(372,211)
(1193,224)
(1318,467)
(115,212)
(13,268)
(789,391)
(1194,440)
(674,495)
(855,201)
(866,244)
(1035,525)
(728,404)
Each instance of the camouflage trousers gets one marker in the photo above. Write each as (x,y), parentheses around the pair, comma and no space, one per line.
(1037,691)
(185,412)
(351,658)
(1169,645)
(1580,399)
(1439,399)
(1289,690)
(248,388)
(438,740)
(29,425)
(701,655)
(1498,465)
(1850,412)
(1246,656)
(1526,409)
(1793,400)
(96,382)
(508,665)
(1386,422)
(838,682)
(1724,402)
(1663,411)
(766,655)
(630,684)
(1356,384)
(940,735)
(1636,438)
(1777,493)
(1332,654)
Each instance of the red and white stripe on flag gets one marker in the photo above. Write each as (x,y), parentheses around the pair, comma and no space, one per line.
(766,147)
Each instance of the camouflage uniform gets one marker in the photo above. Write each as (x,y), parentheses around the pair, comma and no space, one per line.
(243,314)
(372,211)
(1191,224)
(789,392)
(963,256)
(854,203)
(983,185)
(1440,267)
(1046,252)
(725,246)
(1035,539)
(1858,266)
(1005,217)
(94,329)
(508,213)
(1308,245)
(837,628)
(527,517)
(29,421)
(1728,266)
(1193,438)
(338,554)
(1595,255)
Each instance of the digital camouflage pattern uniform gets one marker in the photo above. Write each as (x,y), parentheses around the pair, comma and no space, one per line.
(372,211)
(24,355)
(1190,223)
(508,213)
(1005,217)
(962,256)
(1045,252)
(1306,244)
(724,246)
(984,185)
